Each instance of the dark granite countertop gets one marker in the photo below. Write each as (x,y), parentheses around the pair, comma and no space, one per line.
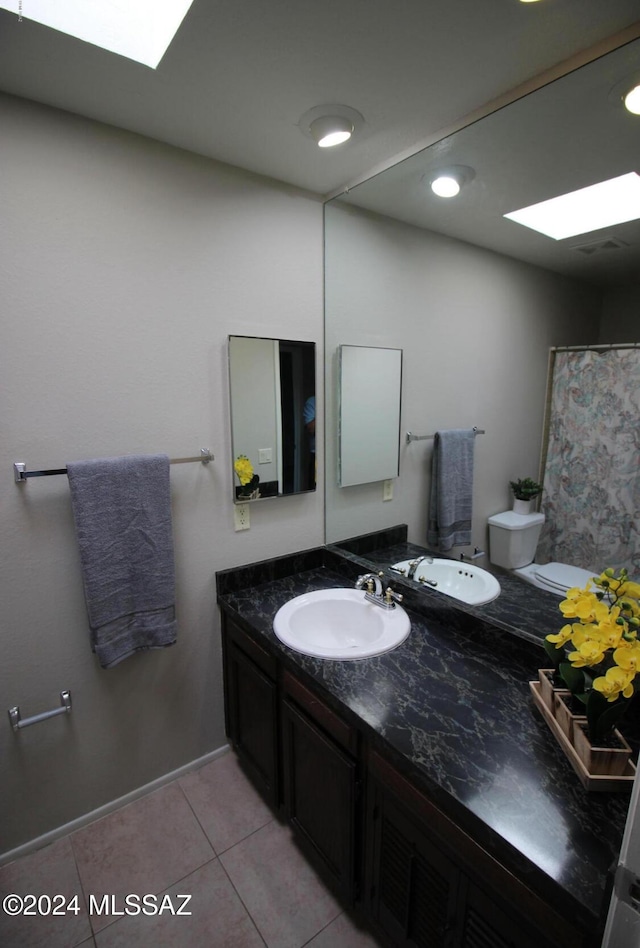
(451,707)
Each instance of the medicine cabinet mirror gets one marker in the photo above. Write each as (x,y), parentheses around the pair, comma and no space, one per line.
(273,386)
(369,414)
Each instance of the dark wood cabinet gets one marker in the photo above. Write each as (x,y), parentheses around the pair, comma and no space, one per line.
(320,788)
(251,709)
(413,887)
(429,885)
(380,842)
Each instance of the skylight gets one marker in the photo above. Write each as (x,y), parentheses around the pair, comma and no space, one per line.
(138,29)
(579,212)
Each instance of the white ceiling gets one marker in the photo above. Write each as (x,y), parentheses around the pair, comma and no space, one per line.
(240,74)
(569,134)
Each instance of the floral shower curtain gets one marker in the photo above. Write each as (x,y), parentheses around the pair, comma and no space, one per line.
(591,497)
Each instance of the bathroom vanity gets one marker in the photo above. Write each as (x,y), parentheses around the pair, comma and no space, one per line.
(422,783)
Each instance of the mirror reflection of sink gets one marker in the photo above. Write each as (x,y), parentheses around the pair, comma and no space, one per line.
(340,624)
(462,581)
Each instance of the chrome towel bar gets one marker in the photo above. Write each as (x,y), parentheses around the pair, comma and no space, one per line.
(414,437)
(17,722)
(20,472)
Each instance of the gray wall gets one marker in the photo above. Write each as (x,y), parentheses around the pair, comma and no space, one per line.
(124,266)
(475,328)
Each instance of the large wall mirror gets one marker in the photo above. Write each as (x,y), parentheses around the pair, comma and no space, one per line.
(474,299)
(273,388)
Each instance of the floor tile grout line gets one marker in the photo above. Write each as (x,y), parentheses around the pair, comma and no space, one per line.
(243,904)
(113,920)
(324,928)
(209,840)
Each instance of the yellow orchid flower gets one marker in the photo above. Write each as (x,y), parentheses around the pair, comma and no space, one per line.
(615,682)
(627,657)
(630,589)
(579,604)
(243,469)
(588,653)
(564,635)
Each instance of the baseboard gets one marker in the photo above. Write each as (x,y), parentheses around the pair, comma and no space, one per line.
(40,841)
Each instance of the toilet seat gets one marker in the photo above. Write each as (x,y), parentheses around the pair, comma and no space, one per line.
(562,577)
(557,578)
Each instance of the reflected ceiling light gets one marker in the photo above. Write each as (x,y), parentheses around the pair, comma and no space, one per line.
(447,182)
(330,130)
(330,125)
(140,29)
(632,100)
(445,186)
(615,201)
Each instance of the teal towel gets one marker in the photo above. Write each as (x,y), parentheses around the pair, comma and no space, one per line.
(122,513)
(450,506)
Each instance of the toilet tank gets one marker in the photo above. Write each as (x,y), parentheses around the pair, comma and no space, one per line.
(513,538)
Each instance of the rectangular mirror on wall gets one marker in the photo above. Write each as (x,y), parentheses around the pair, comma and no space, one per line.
(370,383)
(273,389)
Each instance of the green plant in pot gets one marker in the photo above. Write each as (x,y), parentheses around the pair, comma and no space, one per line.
(525,488)
(597,653)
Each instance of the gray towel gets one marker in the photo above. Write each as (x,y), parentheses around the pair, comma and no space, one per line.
(122,515)
(451,489)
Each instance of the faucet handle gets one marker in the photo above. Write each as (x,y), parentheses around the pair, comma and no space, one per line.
(391,596)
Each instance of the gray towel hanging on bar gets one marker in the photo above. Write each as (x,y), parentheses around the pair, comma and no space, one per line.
(122,513)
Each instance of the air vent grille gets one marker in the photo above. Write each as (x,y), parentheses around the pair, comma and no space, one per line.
(600,246)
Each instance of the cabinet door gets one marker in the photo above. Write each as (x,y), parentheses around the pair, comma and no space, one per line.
(320,784)
(485,925)
(413,887)
(252,719)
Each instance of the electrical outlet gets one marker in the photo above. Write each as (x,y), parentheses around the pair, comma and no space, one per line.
(241,517)
(387,490)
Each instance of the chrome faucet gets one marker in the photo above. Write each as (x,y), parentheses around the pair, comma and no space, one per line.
(372,582)
(374,592)
(416,563)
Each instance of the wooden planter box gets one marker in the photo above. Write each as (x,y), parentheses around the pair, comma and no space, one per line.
(592,779)
(548,689)
(601,760)
(565,714)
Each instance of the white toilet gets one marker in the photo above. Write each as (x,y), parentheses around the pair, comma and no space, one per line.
(513,539)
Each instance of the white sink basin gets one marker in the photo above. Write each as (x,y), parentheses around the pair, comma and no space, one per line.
(340,624)
(462,581)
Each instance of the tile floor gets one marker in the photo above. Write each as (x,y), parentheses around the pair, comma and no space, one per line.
(207,835)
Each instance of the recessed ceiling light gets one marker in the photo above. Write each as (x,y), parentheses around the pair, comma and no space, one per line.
(330,130)
(445,186)
(579,212)
(632,100)
(330,125)
(138,29)
(447,182)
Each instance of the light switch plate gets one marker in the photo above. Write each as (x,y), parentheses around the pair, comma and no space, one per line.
(264,455)
(387,490)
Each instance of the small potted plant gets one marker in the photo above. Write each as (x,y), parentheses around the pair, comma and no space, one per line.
(525,490)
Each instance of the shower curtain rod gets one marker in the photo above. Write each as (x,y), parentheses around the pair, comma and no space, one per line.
(603,346)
